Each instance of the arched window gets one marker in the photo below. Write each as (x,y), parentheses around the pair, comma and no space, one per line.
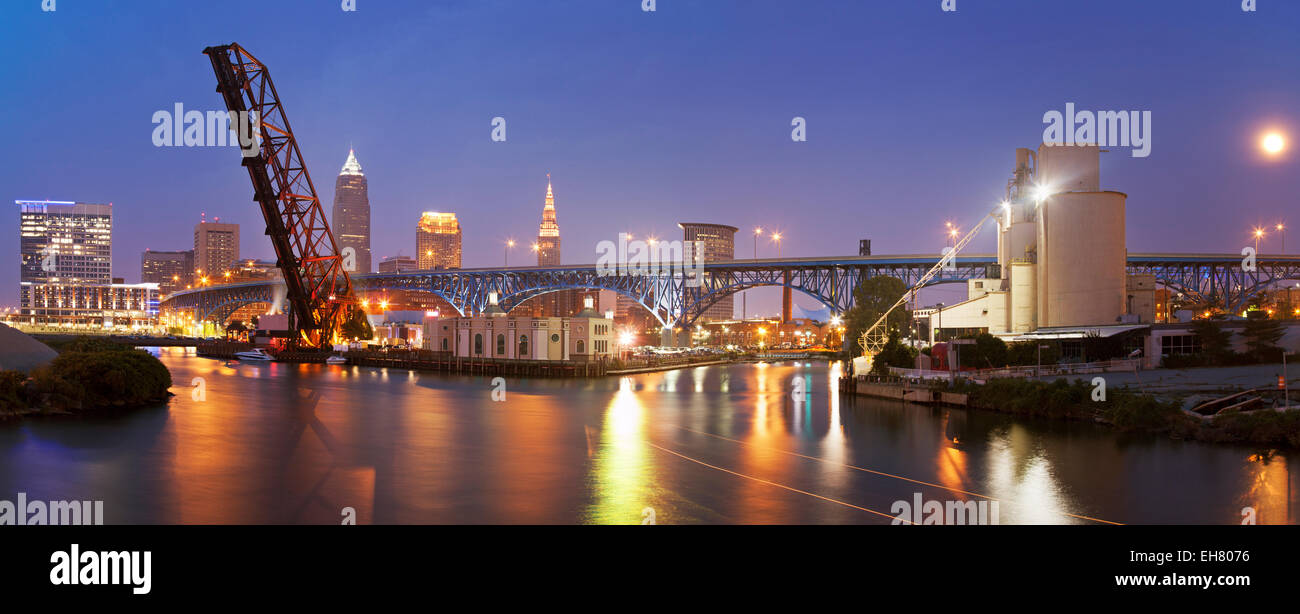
(478,344)
(501,345)
(581,347)
(444,344)
(523,345)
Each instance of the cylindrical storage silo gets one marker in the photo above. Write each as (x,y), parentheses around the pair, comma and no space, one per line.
(1024,297)
(1081,259)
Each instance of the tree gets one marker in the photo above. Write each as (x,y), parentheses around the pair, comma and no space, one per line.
(894,354)
(357,326)
(1261,337)
(989,352)
(870,300)
(1215,342)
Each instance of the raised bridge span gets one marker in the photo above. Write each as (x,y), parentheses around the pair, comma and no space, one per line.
(1210,278)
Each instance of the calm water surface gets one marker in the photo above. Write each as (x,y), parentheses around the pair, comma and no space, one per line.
(282,443)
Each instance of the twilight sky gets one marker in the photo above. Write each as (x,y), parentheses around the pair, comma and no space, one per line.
(648,119)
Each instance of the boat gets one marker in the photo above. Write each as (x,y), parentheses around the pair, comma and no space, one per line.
(255,354)
(335,359)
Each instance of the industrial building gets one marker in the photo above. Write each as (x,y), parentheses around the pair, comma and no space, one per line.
(1061,254)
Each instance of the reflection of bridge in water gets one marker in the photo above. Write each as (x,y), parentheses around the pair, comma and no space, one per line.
(1217,279)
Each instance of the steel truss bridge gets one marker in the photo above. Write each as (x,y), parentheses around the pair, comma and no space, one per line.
(677,299)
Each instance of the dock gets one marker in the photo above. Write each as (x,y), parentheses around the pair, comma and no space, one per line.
(898,389)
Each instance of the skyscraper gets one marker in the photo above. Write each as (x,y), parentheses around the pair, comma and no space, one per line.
(714,242)
(437,241)
(62,245)
(66,242)
(216,247)
(548,232)
(564,302)
(66,264)
(172,271)
(352,212)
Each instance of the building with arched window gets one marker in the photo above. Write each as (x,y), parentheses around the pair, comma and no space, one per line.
(586,336)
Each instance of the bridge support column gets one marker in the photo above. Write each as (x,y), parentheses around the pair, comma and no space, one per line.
(787,300)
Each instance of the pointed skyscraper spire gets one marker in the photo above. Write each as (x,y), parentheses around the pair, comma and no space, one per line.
(351,166)
(549,226)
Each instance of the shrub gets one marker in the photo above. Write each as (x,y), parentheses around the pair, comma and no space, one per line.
(1142,412)
(12,398)
(91,380)
(88,344)
(1261,427)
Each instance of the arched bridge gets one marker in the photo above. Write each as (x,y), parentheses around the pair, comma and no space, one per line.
(674,298)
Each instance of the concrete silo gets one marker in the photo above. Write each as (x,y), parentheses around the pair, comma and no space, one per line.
(1081,259)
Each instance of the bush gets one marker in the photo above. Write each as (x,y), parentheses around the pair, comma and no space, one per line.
(894,354)
(92,380)
(989,352)
(1260,427)
(12,398)
(88,344)
(1143,412)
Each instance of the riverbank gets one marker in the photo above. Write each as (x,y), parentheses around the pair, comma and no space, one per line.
(1123,409)
(445,362)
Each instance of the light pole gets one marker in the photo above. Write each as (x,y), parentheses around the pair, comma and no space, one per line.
(510,243)
(776,236)
(938,327)
(744,296)
(1281,229)
(1259,234)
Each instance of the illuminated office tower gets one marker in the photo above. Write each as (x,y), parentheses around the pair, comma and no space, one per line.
(216,248)
(172,271)
(351,224)
(715,242)
(437,241)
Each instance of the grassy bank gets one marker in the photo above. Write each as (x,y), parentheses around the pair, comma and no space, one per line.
(88,376)
(1130,411)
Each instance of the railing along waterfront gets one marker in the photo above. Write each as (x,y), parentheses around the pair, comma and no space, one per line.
(1056,370)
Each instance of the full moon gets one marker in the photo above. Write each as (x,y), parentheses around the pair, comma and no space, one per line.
(1273,143)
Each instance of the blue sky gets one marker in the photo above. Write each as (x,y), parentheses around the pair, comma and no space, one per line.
(648,119)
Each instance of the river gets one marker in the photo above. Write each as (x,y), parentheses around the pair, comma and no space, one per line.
(744,443)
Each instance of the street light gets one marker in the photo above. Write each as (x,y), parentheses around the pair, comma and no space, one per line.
(1281,229)
(510,243)
(1259,234)
(776,236)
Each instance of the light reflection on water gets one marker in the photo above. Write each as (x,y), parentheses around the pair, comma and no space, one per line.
(280,443)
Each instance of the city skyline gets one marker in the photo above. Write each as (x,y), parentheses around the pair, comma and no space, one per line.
(683,112)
